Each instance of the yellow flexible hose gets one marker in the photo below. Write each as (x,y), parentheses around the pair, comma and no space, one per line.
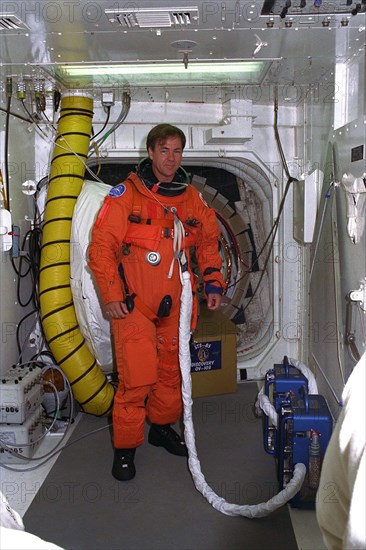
(90,387)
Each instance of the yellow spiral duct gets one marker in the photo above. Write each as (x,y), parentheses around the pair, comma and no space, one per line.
(90,387)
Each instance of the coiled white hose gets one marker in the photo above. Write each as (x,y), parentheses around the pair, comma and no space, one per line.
(264,404)
(219,503)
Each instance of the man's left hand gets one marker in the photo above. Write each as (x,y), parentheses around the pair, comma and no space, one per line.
(213,301)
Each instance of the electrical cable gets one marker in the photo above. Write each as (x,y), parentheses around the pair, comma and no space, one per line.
(19,326)
(282,204)
(94,145)
(274,231)
(126,104)
(17,116)
(70,150)
(10,448)
(233,241)
(267,258)
(38,215)
(48,120)
(35,122)
(277,136)
(251,270)
(6,144)
(47,456)
(326,196)
(263,270)
(105,123)
(27,335)
(54,452)
(275,225)
(35,242)
(31,258)
(121,118)
(338,399)
(33,238)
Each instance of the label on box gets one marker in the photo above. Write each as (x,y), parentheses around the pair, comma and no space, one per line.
(206,356)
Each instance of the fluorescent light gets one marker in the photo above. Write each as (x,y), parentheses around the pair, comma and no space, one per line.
(164,68)
(162,74)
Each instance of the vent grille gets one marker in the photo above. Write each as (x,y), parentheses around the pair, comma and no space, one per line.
(10,22)
(148,18)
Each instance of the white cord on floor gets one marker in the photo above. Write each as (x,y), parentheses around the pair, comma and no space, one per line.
(219,503)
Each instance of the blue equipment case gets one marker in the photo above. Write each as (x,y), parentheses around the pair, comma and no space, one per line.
(280,382)
(298,419)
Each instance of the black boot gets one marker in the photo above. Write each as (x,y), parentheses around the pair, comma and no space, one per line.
(123,467)
(165,436)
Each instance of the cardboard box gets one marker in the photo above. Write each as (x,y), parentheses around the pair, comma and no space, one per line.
(213,355)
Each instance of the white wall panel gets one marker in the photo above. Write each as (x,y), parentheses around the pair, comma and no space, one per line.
(21,168)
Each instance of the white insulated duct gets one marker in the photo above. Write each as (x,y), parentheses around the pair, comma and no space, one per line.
(219,503)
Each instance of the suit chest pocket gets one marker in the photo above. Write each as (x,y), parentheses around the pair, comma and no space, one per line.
(143,235)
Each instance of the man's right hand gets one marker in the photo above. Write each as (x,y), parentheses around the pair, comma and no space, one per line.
(116,310)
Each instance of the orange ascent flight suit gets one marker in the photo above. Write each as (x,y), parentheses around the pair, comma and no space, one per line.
(132,258)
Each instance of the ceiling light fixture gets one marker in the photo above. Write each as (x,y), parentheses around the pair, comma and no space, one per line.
(163,74)
(159,68)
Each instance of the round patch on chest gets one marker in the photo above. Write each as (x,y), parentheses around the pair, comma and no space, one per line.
(153,258)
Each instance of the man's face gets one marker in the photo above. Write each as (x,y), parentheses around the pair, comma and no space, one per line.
(166,158)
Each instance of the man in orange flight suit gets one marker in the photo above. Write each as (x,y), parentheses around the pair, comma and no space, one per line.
(140,240)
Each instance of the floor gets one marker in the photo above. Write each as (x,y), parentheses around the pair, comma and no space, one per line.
(21,483)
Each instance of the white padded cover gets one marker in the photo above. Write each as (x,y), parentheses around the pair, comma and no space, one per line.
(89,311)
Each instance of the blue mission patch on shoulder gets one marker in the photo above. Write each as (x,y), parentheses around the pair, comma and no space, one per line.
(117,191)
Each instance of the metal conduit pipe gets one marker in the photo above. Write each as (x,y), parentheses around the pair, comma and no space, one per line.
(90,387)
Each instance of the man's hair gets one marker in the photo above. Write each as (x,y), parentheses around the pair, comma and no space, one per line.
(161,133)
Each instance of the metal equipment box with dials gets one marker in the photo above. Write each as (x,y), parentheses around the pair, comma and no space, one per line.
(280,382)
(298,418)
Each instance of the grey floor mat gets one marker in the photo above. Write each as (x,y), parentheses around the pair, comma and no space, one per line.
(81,506)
